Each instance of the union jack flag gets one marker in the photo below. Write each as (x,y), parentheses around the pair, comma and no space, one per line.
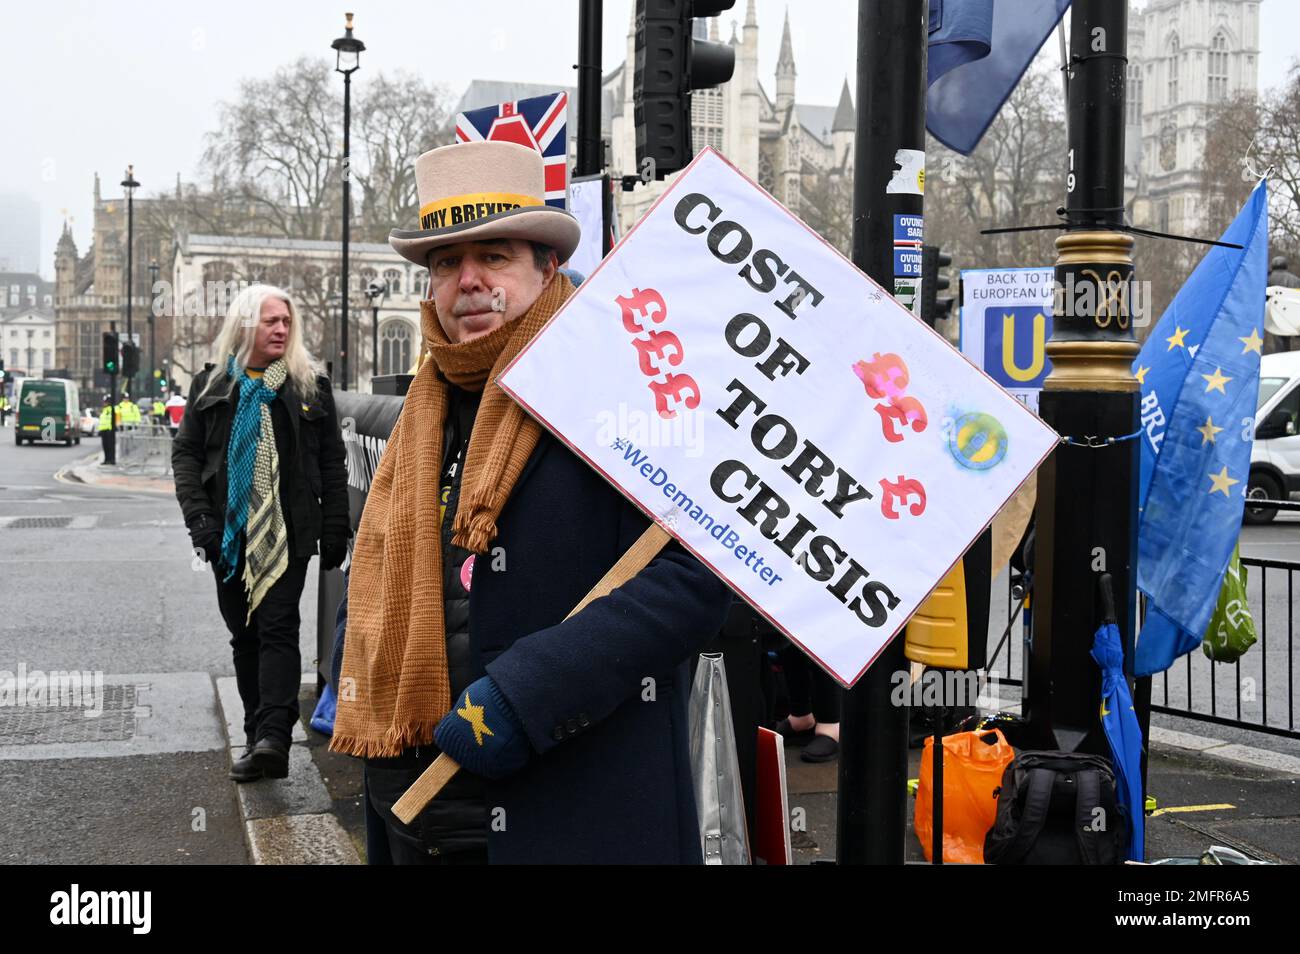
(539,122)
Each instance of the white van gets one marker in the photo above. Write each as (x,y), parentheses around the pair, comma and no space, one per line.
(1275,458)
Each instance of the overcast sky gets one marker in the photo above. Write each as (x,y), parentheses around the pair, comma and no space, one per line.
(90,86)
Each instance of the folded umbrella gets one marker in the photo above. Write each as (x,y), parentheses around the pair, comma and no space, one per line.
(1119,721)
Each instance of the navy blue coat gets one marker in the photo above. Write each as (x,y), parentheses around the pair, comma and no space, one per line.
(602,696)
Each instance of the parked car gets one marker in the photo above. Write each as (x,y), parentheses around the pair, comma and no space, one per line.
(1275,458)
(89,422)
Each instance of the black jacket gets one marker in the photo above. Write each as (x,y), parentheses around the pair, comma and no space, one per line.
(313,470)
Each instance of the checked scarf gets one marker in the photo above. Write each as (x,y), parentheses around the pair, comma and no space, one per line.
(253,487)
(395,648)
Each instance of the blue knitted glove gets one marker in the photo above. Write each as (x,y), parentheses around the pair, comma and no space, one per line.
(482,732)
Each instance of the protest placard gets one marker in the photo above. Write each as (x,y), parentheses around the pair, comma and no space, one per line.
(824,452)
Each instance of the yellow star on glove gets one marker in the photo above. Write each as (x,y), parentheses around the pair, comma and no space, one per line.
(474,716)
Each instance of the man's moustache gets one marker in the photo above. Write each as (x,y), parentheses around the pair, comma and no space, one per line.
(471,306)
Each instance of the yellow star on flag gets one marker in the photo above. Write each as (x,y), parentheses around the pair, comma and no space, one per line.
(1176,339)
(474,716)
(1208,430)
(1216,381)
(1222,482)
(1141,375)
(1254,343)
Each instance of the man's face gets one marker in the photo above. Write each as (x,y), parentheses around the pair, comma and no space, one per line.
(272,336)
(479,286)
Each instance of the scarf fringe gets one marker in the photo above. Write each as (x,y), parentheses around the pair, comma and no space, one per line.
(394,742)
(475,526)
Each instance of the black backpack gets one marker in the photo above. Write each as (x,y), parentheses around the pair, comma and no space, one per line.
(1048,813)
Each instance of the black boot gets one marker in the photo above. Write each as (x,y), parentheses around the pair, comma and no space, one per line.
(244,768)
(272,757)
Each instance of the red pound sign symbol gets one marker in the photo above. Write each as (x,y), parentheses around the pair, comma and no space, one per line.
(671,387)
(883,376)
(899,412)
(653,346)
(898,491)
(640,301)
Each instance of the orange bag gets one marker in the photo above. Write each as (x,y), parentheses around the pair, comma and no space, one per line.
(973,763)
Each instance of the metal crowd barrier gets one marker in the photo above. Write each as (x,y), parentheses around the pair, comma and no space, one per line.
(1256,693)
(145,449)
(1250,693)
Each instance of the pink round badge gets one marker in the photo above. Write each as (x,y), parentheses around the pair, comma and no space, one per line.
(466,571)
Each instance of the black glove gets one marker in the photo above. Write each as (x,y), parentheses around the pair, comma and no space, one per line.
(205,535)
(333,551)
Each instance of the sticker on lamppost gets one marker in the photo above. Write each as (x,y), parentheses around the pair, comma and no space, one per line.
(1006,319)
(844,456)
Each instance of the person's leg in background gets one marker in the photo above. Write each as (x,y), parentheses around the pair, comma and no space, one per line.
(814,707)
(243,642)
(277,621)
(826,714)
(797,728)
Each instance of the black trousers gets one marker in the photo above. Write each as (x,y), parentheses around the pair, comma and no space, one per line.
(268,665)
(811,690)
(390,841)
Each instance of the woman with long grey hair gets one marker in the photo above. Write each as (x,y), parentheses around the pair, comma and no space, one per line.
(261,479)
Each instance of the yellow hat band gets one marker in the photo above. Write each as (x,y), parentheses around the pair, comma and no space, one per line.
(460,209)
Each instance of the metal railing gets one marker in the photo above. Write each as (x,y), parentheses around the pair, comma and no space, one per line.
(145,449)
(1239,694)
(1257,692)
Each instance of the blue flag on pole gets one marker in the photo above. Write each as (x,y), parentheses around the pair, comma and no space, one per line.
(978,51)
(1199,375)
(961,31)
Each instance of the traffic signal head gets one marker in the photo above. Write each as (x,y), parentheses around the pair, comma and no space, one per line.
(111,357)
(670,63)
(130,359)
(933,281)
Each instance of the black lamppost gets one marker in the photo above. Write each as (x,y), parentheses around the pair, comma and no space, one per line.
(153,356)
(375,291)
(130,185)
(349,50)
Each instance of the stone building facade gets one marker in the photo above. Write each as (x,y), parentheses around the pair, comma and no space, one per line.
(209,269)
(1185,56)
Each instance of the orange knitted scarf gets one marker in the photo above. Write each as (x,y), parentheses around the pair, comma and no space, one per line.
(394,686)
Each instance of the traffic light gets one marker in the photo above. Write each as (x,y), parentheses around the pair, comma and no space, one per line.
(670,63)
(111,358)
(933,281)
(2,370)
(130,359)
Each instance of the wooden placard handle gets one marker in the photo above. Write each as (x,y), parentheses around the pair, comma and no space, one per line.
(637,557)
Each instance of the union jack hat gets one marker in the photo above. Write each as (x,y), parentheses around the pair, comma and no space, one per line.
(474,191)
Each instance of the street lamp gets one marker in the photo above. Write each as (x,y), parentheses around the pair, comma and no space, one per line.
(130,185)
(153,356)
(349,50)
(375,291)
(31,352)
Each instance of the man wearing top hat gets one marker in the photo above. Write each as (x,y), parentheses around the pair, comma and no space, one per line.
(481,532)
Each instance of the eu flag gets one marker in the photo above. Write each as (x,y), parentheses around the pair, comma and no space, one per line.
(1199,375)
(978,51)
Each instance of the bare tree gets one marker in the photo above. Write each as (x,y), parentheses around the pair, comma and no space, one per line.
(397,119)
(1014,177)
(826,204)
(277,147)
